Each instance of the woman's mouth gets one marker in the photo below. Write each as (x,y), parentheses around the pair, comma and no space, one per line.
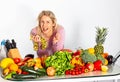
(45,29)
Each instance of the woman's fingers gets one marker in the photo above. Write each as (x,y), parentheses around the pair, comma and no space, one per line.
(36,38)
(56,38)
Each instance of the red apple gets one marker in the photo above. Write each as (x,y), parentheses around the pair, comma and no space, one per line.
(90,66)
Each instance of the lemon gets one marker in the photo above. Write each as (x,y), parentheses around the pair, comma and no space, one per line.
(91,50)
(106,62)
(6,62)
(104,68)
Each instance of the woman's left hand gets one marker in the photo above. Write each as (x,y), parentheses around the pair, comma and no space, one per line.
(56,38)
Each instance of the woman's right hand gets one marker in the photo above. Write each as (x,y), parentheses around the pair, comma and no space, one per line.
(36,38)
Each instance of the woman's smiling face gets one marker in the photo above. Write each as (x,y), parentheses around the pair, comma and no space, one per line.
(46,24)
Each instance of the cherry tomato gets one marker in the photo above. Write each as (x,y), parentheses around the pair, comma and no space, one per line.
(76,72)
(73,73)
(67,72)
(17,60)
(77,53)
(83,69)
(79,71)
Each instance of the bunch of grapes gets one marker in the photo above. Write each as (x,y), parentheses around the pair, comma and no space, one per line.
(43,43)
(35,46)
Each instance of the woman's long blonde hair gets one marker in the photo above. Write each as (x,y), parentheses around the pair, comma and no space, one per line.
(49,14)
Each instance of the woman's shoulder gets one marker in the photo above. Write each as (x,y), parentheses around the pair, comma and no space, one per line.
(59,28)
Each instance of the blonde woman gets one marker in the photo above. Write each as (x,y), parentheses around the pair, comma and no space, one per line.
(48,37)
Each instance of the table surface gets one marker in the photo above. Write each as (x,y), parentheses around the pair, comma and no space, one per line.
(113,73)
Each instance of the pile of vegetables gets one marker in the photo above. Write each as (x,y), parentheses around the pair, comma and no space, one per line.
(88,57)
(20,69)
(60,60)
(91,57)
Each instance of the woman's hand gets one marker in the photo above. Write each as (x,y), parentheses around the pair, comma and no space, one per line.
(36,38)
(56,38)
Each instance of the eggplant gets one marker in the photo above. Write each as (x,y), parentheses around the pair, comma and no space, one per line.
(30,55)
(110,59)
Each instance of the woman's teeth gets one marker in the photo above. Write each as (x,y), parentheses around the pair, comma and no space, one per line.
(45,29)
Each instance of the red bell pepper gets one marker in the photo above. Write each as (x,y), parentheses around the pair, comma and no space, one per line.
(97,65)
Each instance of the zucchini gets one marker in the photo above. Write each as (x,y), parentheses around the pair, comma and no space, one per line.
(22,76)
(32,71)
(41,70)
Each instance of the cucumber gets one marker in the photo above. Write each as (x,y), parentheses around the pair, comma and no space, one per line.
(32,71)
(41,70)
(22,76)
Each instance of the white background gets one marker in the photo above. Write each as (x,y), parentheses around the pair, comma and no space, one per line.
(78,17)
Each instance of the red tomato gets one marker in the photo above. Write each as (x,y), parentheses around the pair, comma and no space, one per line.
(17,60)
(79,71)
(76,72)
(83,69)
(77,53)
(24,72)
(73,73)
(76,69)
(67,72)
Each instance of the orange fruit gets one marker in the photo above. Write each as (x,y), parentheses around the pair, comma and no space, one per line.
(13,67)
(105,55)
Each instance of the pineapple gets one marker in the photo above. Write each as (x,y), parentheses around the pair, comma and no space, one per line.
(100,39)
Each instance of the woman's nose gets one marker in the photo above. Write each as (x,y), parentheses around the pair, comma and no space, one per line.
(44,24)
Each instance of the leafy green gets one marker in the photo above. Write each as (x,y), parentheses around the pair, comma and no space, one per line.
(9,76)
(99,57)
(60,60)
(87,57)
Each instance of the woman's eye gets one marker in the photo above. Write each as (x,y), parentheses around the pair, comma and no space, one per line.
(42,21)
(48,22)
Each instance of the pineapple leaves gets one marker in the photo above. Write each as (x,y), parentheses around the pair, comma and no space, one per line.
(101,34)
